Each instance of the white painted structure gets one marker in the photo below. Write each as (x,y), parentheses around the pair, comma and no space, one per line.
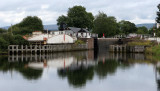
(54,63)
(76,32)
(154,39)
(62,38)
(61,63)
(69,35)
(57,38)
(158,25)
(131,35)
(37,33)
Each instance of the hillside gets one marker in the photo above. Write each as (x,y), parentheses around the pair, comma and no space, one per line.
(6,27)
(49,27)
(148,25)
(55,27)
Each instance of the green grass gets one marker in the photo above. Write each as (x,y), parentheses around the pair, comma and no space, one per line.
(79,42)
(3,53)
(155,50)
(142,43)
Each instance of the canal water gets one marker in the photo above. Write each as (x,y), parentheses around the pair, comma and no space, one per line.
(79,71)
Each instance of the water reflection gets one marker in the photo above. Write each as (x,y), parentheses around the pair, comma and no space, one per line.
(21,67)
(157,72)
(78,68)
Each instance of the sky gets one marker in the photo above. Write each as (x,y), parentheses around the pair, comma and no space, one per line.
(136,11)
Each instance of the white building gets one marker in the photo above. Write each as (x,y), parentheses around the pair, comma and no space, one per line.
(76,32)
(40,38)
(69,35)
(158,25)
(132,35)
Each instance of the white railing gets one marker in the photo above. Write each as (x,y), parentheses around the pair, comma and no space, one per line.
(157,39)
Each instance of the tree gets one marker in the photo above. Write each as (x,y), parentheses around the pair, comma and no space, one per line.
(77,16)
(158,14)
(158,20)
(3,30)
(127,27)
(154,30)
(3,44)
(151,31)
(8,38)
(105,24)
(62,19)
(19,40)
(21,30)
(27,25)
(33,23)
(142,30)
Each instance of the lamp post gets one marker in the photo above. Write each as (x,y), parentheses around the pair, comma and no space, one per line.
(157,30)
(11,30)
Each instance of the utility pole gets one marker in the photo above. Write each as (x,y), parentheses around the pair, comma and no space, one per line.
(11,30)
(47,33)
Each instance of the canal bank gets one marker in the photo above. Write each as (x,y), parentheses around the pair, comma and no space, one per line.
(153,50)
(132,46)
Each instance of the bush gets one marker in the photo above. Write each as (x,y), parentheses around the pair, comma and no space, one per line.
(3,30)
(8,39)
(142,43)
(153,50)
(3,45)
(79,42)
(19,40)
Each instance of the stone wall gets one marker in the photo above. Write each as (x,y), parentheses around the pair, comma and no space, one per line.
(89,41)
(126,48)
(104,43)
(136,49)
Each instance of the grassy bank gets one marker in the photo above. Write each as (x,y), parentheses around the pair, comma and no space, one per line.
(152,48)
(155,50)
(140,43)
(3,53)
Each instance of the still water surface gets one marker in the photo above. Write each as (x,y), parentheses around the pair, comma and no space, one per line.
(78,71)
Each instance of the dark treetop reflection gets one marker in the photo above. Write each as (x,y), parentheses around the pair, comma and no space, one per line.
(21,67)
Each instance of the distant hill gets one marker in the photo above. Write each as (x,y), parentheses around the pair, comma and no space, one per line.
(147,25)
(6,27)
(55,27)
(49,27)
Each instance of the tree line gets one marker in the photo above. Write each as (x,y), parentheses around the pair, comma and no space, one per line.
(77,16)
(14,35)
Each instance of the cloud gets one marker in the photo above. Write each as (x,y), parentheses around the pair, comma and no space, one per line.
(137,11)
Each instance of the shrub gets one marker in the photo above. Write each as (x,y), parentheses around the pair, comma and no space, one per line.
(143,43)
(79,42)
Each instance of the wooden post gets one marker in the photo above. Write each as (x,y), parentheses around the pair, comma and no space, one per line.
(21,49)
(26,48)
(31,49)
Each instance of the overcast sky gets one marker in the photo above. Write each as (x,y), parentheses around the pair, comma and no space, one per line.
(136,11)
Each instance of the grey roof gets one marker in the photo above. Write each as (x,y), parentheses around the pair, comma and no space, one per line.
(74,29)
